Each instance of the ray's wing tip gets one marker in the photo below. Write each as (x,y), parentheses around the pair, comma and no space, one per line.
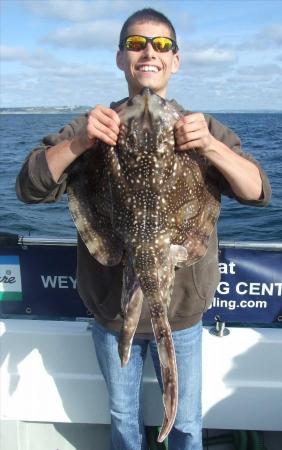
(162,436)
(123,363)
(123,356)
(167,425)
(165,430)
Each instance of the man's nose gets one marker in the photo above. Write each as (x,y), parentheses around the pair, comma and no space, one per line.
(149,50)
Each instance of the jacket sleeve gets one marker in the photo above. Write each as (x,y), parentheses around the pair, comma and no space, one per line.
(34,183)
(231,140)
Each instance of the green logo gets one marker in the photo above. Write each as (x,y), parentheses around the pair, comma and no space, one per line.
(10,278)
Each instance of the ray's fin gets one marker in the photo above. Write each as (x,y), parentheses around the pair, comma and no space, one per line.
(129,325)
(131,302)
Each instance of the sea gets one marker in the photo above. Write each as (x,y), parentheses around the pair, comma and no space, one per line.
(261,136)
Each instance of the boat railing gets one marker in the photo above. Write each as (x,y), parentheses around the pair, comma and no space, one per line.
(44,268)
(255,245)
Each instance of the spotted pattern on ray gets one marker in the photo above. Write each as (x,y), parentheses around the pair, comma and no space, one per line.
(152,207)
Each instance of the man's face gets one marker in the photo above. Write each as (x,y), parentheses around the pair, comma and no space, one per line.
(148,68)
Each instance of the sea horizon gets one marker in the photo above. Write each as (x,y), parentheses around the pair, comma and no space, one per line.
(74,109)
(20,133)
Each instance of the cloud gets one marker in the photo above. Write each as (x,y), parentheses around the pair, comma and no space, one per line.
(231,93)
(210,55)
(73,11)
(44,79)
(8,53)
(206,61)
(103,33)
(268,37)
(212,75)
(272,34)
(77,85)
(86,10)
(43,64)
(38,59)
(76,71)
(260,73)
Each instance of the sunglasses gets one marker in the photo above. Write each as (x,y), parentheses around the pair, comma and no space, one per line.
(160,44)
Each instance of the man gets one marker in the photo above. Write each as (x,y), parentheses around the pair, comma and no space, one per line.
(43,178)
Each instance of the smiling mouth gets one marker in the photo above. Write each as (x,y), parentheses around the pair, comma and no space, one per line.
(148,68)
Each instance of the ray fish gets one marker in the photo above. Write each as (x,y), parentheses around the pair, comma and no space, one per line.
(150,206)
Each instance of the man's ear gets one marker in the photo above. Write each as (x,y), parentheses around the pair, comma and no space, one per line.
(175,63)
(119,59)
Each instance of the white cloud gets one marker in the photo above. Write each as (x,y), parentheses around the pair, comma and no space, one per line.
(206,94)
(41,64)
(8,53)
(206,61)
(272,34)
(47,80)
(268,37)
(38,59)
(257,78)
(86,10)
(74,10)
(212,75)
(77,71)
(65,86)
(103,33)
(210,55)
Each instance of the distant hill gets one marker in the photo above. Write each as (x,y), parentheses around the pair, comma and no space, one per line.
(46,110)
(85,108)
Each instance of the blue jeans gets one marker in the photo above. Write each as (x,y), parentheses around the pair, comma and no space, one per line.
(125,388)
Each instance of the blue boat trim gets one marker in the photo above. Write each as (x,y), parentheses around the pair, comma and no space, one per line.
(249,292)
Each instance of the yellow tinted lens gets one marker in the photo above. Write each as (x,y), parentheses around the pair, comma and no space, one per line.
(162,44)
(135,43)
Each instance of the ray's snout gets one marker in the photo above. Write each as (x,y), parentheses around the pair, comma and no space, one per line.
(146,92)
(142,111)
(152,108)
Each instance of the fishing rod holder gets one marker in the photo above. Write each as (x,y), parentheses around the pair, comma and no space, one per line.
(219,329)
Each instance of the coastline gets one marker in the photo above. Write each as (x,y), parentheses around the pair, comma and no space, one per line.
(84,108)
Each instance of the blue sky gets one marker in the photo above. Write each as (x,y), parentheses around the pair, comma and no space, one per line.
(62,52)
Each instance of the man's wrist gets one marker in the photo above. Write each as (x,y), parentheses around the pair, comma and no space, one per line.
(213,149)
(79,145)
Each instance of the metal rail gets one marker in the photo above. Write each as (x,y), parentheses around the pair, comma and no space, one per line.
(9,239)
(256,245)
(29,241)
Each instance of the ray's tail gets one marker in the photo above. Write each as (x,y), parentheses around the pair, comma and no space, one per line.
(151,275)
(163,336)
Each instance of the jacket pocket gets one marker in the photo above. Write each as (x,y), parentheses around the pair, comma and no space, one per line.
(195,285)
(206,277)
(185,300)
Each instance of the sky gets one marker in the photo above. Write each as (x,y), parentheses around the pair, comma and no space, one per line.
(62,52)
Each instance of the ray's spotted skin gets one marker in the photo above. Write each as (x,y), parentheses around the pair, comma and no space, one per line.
(151,206)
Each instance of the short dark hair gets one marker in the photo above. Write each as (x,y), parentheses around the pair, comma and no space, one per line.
(145,15)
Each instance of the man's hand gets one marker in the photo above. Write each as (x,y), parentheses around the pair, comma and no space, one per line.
(103,123)
(192,132)
(243,175)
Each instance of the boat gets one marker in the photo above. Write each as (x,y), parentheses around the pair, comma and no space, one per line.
(51,388)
